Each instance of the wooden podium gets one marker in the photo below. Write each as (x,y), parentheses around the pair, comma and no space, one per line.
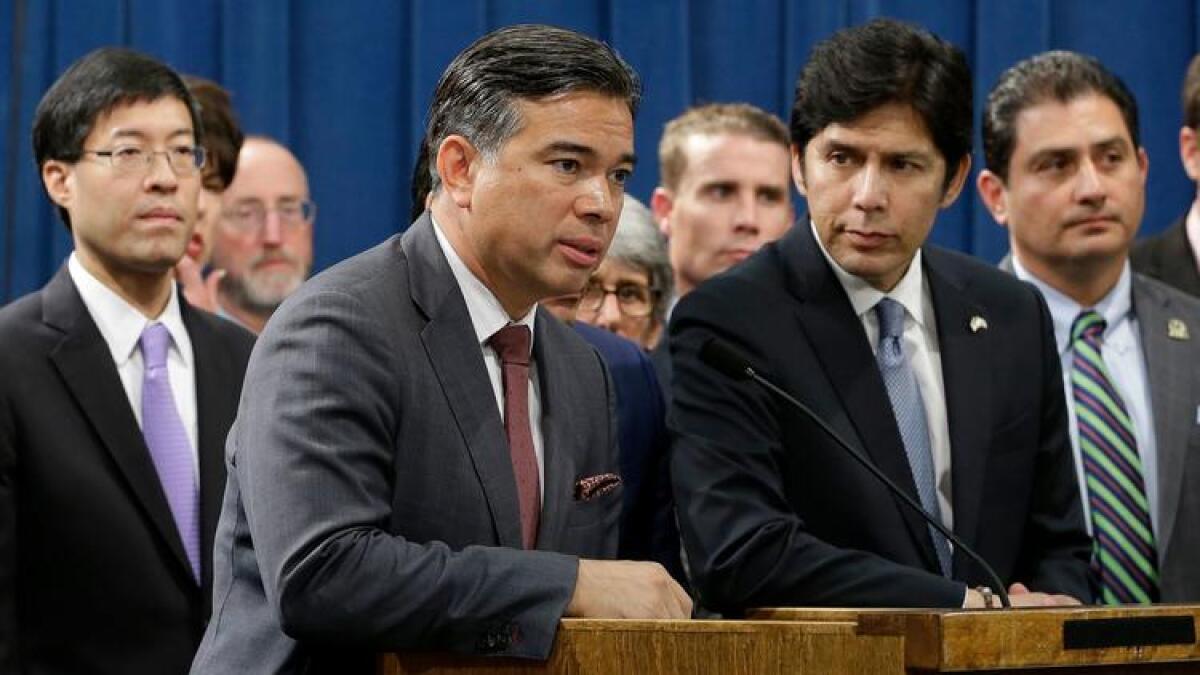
(1159,639)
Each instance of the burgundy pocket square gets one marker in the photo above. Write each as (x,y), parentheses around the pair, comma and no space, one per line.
(596,486)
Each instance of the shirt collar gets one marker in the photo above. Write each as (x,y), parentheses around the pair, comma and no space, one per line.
(1115,307)
(863,296)
(120,323)
(486,312)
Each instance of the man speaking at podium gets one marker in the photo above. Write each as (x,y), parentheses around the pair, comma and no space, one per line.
(936,367)
(423,459)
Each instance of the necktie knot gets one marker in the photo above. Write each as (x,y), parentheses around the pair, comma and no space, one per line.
(891,318)
(512,344)
(891,330)
(1089,326)
(154,342)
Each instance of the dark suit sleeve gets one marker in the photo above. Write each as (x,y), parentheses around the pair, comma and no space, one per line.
(747,546)
(665,533)
(315,456)
(9,638)
(1056,548)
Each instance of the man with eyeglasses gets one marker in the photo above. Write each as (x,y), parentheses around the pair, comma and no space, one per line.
(115,394)
(264,239)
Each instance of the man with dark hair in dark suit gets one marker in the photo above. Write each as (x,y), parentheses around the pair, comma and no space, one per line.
(1173,255)
(1066,176)
(115,394)
(906,350)
(423,459)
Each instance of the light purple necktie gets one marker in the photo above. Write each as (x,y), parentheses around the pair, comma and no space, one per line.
(168,442)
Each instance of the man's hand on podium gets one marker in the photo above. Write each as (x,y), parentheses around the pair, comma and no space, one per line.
(625,589)
(1020,596)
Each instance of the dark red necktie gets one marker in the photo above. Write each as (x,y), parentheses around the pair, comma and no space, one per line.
(512,345)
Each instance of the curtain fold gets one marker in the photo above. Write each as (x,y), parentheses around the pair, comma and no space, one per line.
(346,84)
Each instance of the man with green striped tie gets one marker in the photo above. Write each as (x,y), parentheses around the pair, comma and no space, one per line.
(1066,174)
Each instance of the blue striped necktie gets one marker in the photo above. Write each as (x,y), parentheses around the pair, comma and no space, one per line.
(1124,553)
(909,409)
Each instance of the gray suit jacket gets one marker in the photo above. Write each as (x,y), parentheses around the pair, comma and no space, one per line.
(1173,371)
(371,504)
(1168,257)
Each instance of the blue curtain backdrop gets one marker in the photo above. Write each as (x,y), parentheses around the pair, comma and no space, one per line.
(346,84)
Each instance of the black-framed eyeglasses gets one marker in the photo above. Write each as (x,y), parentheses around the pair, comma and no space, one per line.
(634,300)
(184,160)
(250,217)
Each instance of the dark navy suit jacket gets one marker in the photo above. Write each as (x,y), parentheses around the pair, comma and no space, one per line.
(648,529)
(773,513)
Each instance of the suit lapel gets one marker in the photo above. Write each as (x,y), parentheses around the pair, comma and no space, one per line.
(215,384)
(85,363)
(968,384)
(839,341)
(457,361)
(1171,396)
(558,459)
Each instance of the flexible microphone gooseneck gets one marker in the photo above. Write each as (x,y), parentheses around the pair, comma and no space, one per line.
(727,360)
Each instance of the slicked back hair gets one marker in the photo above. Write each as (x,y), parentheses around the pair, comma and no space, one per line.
(886,61)
(1050,76)
(477,94)
(713,119)
(94,85)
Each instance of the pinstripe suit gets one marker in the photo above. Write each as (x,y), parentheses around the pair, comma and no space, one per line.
(371,502)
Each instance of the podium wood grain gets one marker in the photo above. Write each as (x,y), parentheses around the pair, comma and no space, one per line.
(839,641)
(1018,640)
(590,647)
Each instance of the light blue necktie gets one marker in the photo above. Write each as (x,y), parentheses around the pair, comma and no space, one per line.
(168,442)
(909,409)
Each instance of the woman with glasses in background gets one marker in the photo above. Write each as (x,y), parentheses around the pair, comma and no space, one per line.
(629,292)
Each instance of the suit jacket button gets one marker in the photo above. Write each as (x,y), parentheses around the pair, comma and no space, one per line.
(488,643)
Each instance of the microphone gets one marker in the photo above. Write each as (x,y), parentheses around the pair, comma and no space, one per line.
(725,359)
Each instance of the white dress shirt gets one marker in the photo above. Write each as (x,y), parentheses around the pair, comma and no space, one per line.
(487,317)
(121,326)
(1122,353)
(924,355)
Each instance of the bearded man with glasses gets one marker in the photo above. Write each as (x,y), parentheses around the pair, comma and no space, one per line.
(115,395)
(264,238)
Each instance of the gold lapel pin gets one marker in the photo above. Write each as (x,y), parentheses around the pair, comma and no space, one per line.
(1177,330)
(977,324)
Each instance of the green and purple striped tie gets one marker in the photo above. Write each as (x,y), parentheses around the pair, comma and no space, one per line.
(1124,554)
